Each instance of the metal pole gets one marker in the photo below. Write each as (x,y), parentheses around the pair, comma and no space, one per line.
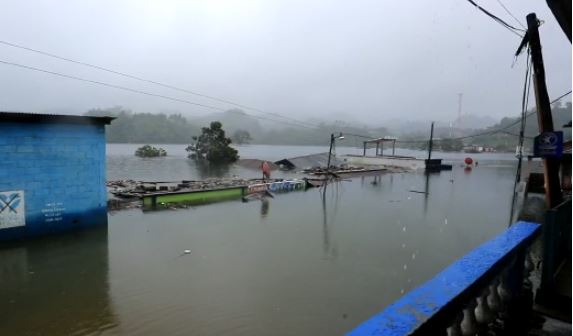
(330,151)
(364,149)
(393,147)
(377,146)
(552,189)
(430,143)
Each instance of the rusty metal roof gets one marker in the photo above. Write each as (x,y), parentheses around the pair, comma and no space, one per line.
(22,117)
(308,161)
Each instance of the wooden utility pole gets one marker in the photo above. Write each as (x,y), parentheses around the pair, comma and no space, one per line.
(552,186)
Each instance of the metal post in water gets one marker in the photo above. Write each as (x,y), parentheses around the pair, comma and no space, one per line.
(431,141)
(330,151)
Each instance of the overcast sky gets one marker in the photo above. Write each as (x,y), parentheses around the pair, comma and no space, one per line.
(367,61)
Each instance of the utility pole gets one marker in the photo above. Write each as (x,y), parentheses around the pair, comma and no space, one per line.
(430,143)
(552,186)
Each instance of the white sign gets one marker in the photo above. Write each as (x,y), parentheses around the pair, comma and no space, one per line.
(53,212)
(12,210)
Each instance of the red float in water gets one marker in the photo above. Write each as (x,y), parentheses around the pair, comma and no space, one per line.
(468,161)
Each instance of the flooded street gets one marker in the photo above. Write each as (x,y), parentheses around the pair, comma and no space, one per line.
(302,263)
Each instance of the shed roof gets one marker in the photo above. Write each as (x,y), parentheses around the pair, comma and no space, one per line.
(53,118)
(308,161)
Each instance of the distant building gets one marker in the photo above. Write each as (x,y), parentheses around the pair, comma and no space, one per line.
(52,173)
(478,149)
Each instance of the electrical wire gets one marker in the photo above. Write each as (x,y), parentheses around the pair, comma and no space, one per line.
(511,14)
(141,79)
(500,130)
(124,88)
(524,105)
(506,25)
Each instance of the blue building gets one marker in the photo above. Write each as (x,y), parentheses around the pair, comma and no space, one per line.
(52,173)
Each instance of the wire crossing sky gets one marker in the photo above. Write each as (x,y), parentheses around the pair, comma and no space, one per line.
(363,61)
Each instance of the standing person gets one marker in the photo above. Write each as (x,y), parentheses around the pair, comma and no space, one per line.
(266,170)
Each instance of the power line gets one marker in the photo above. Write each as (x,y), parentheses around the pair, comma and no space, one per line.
(124,88)
(506,25)
(511,14)
(500,130)
(521,135)
(141,79)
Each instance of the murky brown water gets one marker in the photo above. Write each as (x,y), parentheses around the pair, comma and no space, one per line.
(298,264)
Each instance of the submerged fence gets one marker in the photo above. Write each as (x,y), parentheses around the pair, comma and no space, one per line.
(484,286)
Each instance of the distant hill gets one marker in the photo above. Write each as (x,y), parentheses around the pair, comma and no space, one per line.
(472,121)
(147,128)
(232,121)
(151,128)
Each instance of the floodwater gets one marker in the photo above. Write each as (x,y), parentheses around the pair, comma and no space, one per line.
(302,263)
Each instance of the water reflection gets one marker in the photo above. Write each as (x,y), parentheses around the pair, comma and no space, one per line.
(265,204)
(56,285)
(427,192)
(329,250)
(320,263)
(207,170)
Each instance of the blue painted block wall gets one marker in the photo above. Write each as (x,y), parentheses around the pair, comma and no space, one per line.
(61,169)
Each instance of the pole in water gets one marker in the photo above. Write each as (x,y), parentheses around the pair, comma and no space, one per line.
(430,143)
(330,151)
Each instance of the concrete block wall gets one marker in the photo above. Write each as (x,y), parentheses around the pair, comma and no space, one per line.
(61,170)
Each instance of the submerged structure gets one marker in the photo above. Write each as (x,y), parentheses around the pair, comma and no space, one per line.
(160,195)
(52,177)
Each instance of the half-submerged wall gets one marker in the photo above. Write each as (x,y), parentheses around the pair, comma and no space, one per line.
(52,173)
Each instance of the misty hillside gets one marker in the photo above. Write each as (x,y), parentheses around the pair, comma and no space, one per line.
(232,120)
(472,121)
(129,127)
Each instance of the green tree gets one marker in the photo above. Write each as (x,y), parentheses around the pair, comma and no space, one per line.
(150,151)
(212,146)
(241,137)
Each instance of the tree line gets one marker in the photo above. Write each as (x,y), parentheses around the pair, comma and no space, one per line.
(129,127)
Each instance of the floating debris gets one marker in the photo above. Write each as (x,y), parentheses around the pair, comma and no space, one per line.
(181,194)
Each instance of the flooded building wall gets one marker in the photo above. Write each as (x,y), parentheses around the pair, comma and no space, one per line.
(56,285)
(52,176)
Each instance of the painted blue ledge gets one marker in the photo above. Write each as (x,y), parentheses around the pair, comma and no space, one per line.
(410,312)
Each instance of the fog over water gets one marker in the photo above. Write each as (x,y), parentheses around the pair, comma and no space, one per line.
(301,263)
(362,61)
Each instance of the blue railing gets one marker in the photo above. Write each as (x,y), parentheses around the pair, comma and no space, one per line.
(466,296)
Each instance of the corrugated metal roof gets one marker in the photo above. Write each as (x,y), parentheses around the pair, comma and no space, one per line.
(309,161)
(52,118)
